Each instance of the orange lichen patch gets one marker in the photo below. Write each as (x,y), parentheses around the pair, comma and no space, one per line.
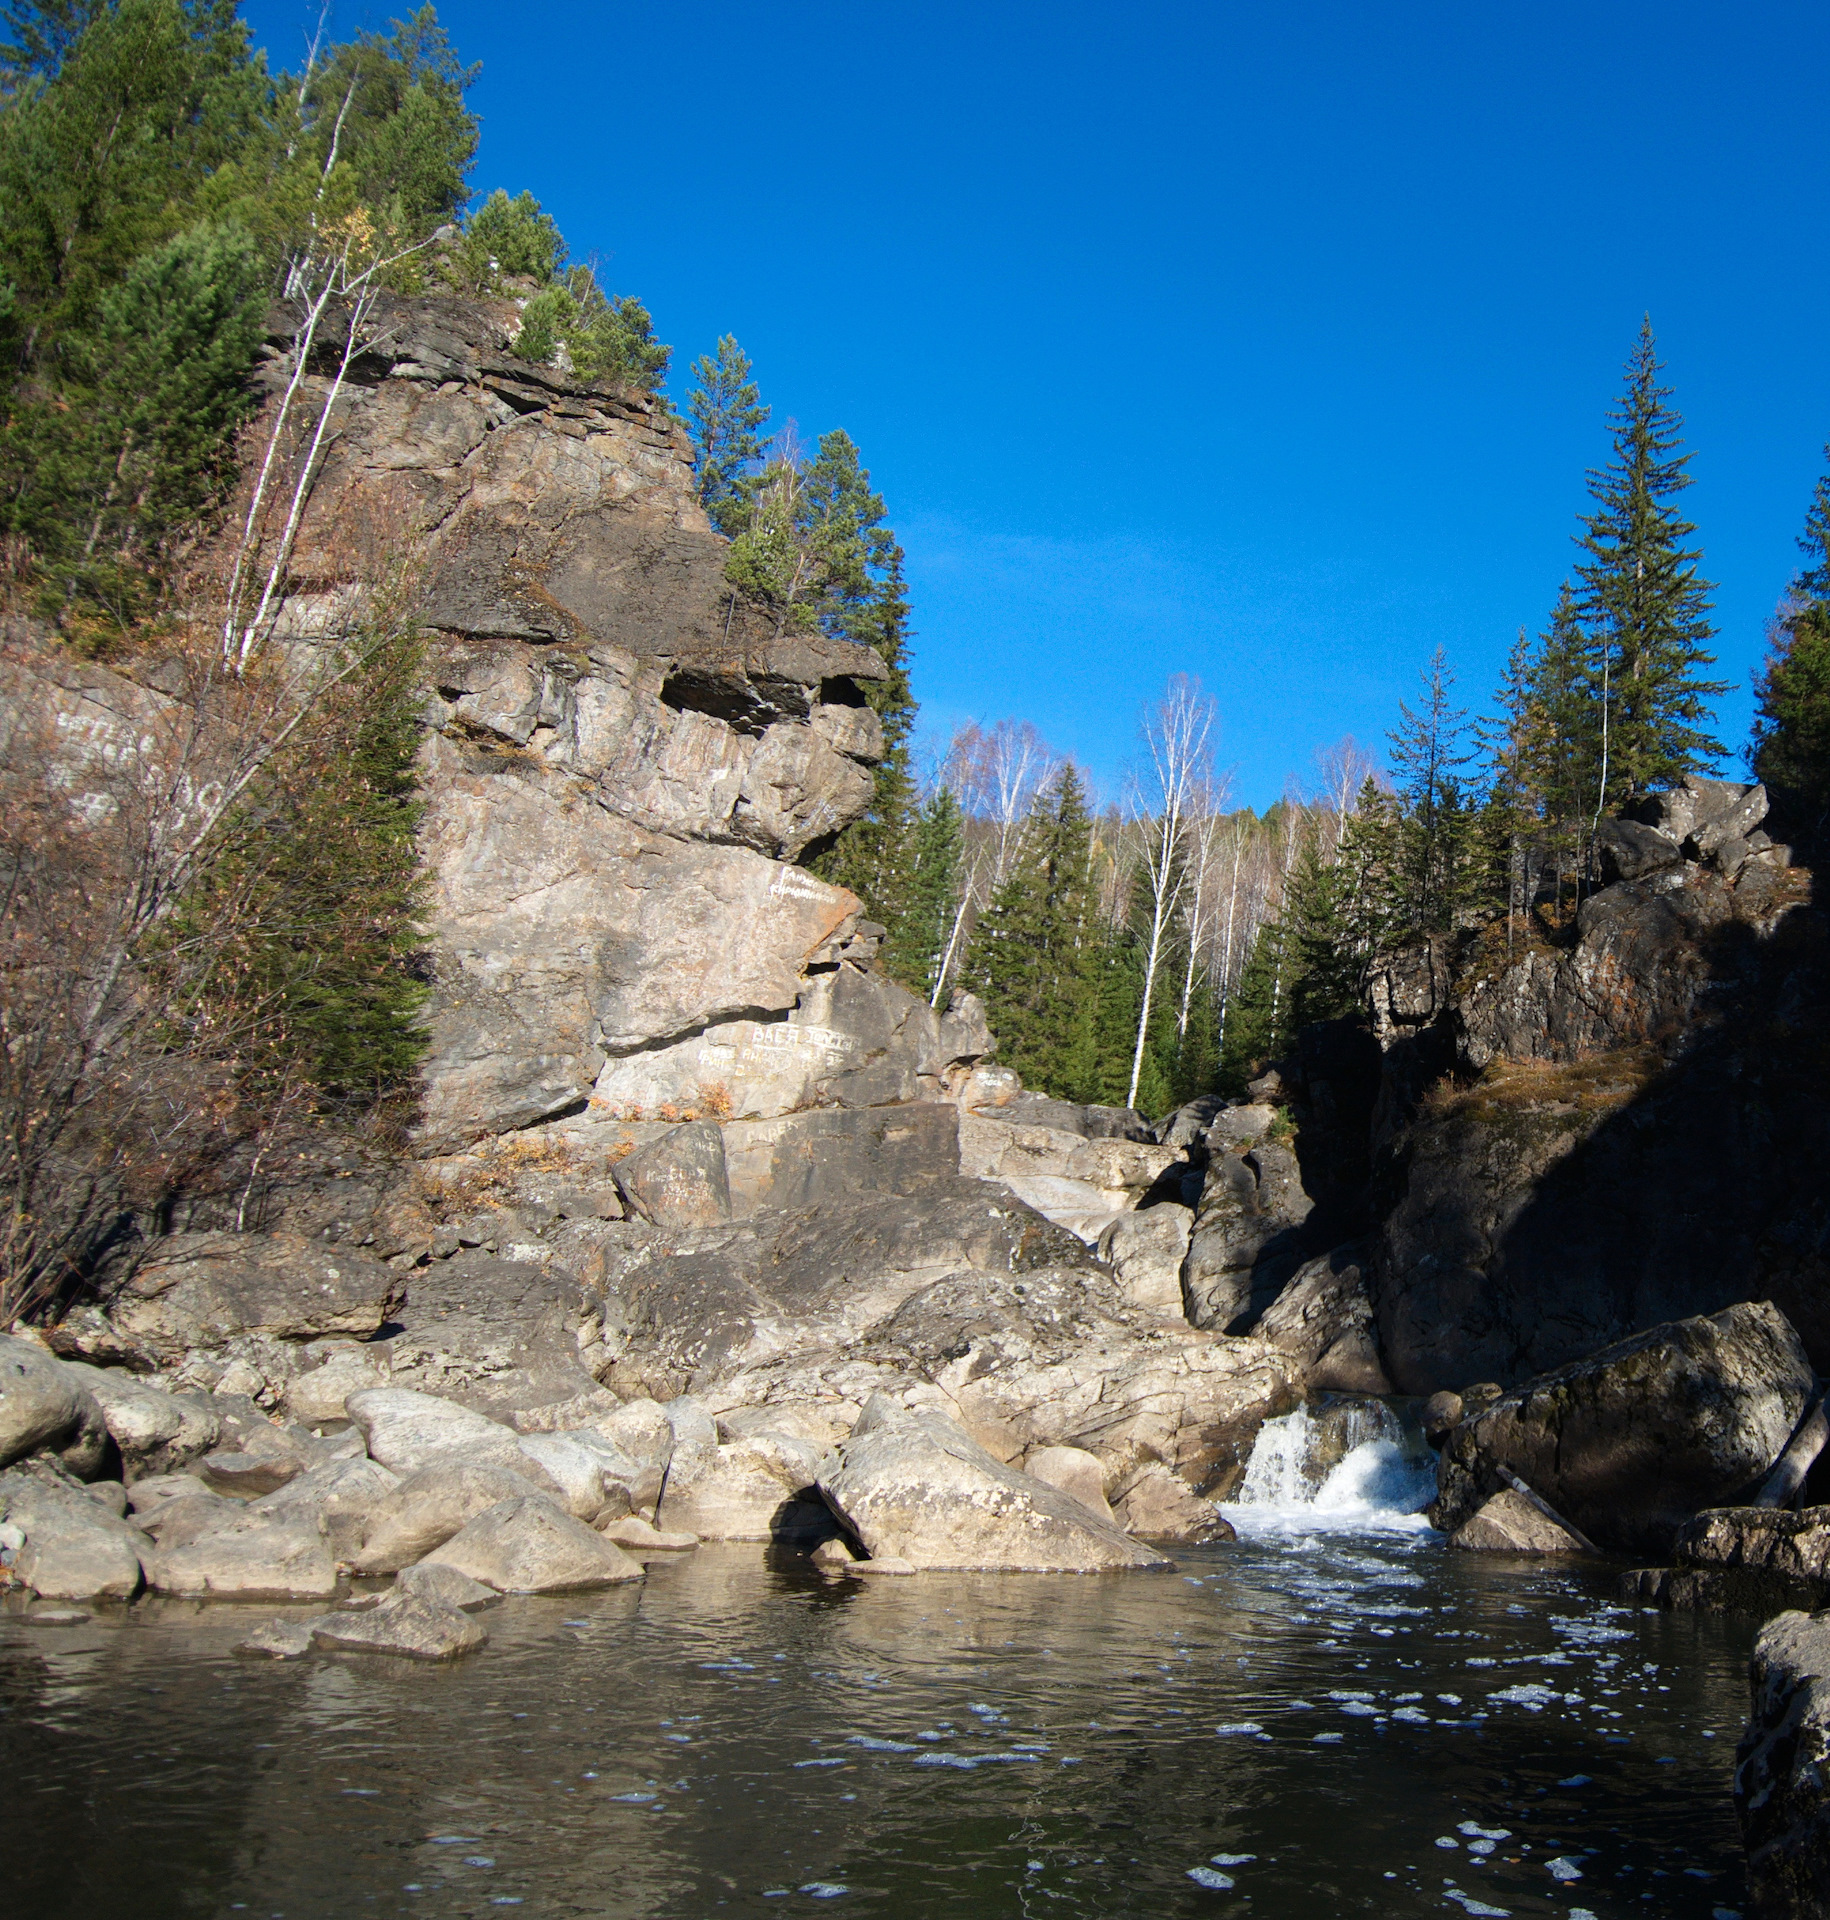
(490,1178)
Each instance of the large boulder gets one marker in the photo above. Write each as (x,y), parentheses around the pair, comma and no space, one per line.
(405,1430)
(678,1180)
(429,1506)
(221,1550)
(43,1408)
(341,1498)
(529,1545)
(157,1433)
(1509,1523)
(204,1290)
(1324,1320)
(1248,1237)
(1782,1772)
(1063,1160)
(1756,1560)
(916,1486)
(75,1548)
(1629,1443)
(1145,1251)
(753,1488)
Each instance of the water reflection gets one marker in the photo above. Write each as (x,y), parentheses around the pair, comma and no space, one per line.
(1334,1722)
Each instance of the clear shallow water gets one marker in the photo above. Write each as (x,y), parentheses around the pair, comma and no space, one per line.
(740,1735)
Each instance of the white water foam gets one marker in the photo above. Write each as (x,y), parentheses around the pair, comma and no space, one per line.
(1373,1487)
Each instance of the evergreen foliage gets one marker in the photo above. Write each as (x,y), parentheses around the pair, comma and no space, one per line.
(1643,603)
(917,938)
(1033,955)
(728,417)
(1791,746)
(1430,756)
(507,236)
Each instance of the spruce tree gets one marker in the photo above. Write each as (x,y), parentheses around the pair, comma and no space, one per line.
(917,939)
(1563,749)
(729,418)
(1257,1014)
(1430,754)
(1033,954)
(1643,603)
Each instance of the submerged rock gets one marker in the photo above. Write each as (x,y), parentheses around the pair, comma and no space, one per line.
(916,1486)
(413,1623)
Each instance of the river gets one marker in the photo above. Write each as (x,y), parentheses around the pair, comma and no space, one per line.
(1332,1715)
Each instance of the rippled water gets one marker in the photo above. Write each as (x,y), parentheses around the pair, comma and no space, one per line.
(1320,1720)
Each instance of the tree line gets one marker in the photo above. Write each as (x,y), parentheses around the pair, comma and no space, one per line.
(1163,945)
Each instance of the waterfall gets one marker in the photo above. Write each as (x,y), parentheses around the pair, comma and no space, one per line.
(1345,1467)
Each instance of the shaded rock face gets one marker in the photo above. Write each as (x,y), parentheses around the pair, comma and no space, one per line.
(1754,1560)
(620,757)
(1249,1236)
(1633,1441)
(1638,1134)
(1782,1772)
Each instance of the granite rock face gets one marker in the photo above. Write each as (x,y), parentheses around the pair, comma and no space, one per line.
(620,755)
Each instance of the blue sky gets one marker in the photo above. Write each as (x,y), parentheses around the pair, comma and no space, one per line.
(1265,343)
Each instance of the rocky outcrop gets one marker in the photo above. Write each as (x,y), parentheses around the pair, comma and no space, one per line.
(1754,1560)
(1633,1441)
(1620,1123)
(1782,1771)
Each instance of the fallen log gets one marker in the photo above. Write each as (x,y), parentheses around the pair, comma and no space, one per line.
(1808,1440)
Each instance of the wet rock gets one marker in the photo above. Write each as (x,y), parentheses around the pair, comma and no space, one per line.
(42,1408)
(1631,1442)
(1744,1560)
(1324,1320)
(887,1566)
(1442,1414)
(428,1580)
(1073,1471)
(279,1639)
(429,1506)
(1155,1505)
(412,1623)
(1145,1252)
(836,1555)
(156,1432)
(1509,1523)
(636,1536)
(224,1551)
(1782,1772)
(529,1545)
(342,1498)
(917,1487)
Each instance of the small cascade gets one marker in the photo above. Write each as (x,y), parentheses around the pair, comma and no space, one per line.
(1346,1466)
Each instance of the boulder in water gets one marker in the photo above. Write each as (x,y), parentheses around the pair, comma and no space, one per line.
(1155,1505)
(916,1486)
(530,1546)
(1632,1441)
(411,1622)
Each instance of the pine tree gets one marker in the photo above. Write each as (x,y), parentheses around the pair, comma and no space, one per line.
(728,418)
(1323,962)
(1258,1017)
(1791,746)
(1643,603)
(1563,751)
